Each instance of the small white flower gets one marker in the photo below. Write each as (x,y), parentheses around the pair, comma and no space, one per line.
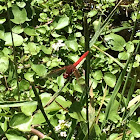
(57,45)
(58,127)
(63,134)
(61,121)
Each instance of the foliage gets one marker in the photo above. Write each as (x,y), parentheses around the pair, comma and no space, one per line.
(47,35)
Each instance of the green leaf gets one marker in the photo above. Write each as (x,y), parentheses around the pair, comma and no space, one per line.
(18,40)
(123,56)
(24,85)
(39,69)
(21,4)
(32,48)
(46,50)
(92,13)
(2,20)
(30,31)
(63,22)
(28,109)
(110,79)
(72,45)
(19,15)
(29,76)
(13,134)
(4,63)
(129,46)
(135,128)
(98,75)
(115,42)
(17,29)
(41,30)
(21,122)
(1,32)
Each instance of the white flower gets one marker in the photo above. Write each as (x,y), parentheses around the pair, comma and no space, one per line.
(61,121)
(57,45)
(58,127)
(63,134)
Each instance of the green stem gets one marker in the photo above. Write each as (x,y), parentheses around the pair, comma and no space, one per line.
(43,111)
(115,60)
(56,94)
(14,51)
(87,68)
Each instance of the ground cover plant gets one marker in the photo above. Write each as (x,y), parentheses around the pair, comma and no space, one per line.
(38,37)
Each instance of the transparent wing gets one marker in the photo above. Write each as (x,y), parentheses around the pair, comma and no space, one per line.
(76,73)
(57,72)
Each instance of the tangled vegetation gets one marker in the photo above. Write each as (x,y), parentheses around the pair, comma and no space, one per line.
(39,36)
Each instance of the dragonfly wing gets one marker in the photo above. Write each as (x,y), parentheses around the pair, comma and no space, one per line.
(57,72)
(76,73)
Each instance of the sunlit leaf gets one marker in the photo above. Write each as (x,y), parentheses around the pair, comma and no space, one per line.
(39,69)
(135,128)
(63,22)
(72,45)
(19,15)
(110,79)
(30,31)
(21,122)
(18,40)
(4,63)
(123,56)
(29,76)
(115,42)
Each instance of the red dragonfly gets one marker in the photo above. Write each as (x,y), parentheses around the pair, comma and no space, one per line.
(71,68)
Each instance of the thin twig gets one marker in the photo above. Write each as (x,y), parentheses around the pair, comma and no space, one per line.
(56,94)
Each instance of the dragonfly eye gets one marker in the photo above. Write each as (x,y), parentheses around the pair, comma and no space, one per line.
(65,75)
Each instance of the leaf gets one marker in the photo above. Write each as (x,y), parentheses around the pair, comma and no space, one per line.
(30,31)
(110,79)
(24,85)
(115,42)
(129,46)
(4,63)
(39,69)
(33,48)
(29,76)
(2,20)
(123,56)
(13,134)
(18,40)
(28,109)
(63,22)
(46,50)
(72,45)
(98,75)
(19,15)
(92,13)
(21,122)
(17,29)
(1,32)
(135,128)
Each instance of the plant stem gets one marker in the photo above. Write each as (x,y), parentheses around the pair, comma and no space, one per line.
(14,51)
(87,68)
(43,111)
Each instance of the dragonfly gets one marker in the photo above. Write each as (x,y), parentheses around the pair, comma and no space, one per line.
(71,68)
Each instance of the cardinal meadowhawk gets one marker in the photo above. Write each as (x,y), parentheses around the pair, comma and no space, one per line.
(71,68)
